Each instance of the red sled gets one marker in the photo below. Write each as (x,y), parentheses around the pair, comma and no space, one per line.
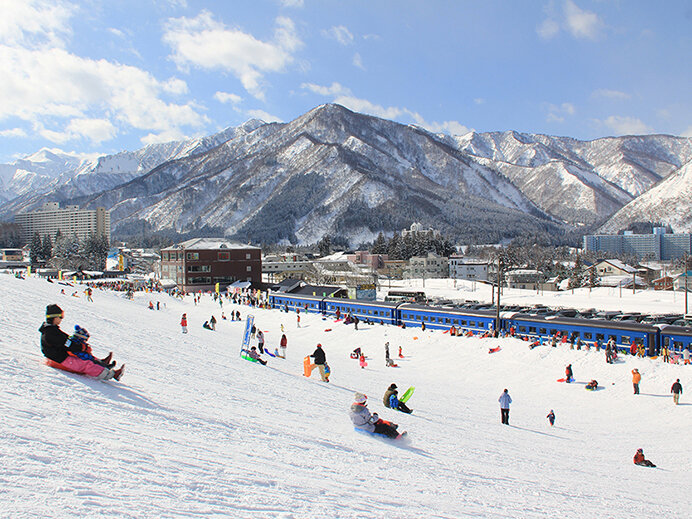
(564,380)
(494,350)
(327,329)
(55,365)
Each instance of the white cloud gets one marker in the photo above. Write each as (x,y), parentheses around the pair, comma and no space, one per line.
(339,33)
(581,23)
(336,89)
(169,135)
(558,113)
(576,21)
(35,23)
(51,84)
(548,29)
(266,117)
(292,3)
(206,43)
(610,94)
(624,125)
(358,61)
(226,97)
(13,132)
(479,100)
(96,130)
(116,32)
(688,132)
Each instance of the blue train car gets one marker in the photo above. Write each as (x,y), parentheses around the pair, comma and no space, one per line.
(589,330)
(293,302)
(676,338)
(444,318)
(373,311)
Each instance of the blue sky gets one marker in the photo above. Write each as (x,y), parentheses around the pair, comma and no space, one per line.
(102,76)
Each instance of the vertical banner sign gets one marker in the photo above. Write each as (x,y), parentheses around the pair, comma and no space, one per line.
(246,336)
(217,288)
(120,263)
(60,275)
(28,270)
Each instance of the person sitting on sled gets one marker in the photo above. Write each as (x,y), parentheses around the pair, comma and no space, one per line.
(355,354)
(78,344)
(593,385)
(364,420)
(639,459)
(53,347)
(391,400)
(254,355)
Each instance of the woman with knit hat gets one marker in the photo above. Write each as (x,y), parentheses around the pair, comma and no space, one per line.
(54,348)
(364,420)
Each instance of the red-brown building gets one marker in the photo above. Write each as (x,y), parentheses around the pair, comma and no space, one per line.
(200,263)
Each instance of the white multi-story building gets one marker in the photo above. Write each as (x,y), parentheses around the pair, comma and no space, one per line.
(467,268)
(430,266)
(69,220)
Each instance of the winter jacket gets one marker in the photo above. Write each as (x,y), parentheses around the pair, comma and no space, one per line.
(636,377)
(319,356)
(568,372)
(393,402)
(183,322)
(387,395)
(639,458)
(254,355)
(504,400)
(53,342)
(361,417)
(283,342)
(676,388)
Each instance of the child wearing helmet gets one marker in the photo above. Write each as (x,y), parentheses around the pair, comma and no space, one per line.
(639,459)
(370,422)
(78,345)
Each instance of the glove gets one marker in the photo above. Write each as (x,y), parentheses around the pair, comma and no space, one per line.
(374,418)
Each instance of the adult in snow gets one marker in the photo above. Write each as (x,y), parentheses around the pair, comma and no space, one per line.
(282,345)
(639,459)
(254,355)
(391,400)
(568,373)
(320,360)
(212,322)
(371,422)
(686,355)
(676,389)
(504,400)
(260,341)
(636,379)
(53,346)
(551,417)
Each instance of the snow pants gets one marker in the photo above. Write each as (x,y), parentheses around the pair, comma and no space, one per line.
(323,373)
(636,388)
(84,367)
(676,398)
(504,416)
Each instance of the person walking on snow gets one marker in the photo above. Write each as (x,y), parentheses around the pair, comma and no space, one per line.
(636,379)
(260,341)
(282,344)
(676,389)
(364,420)
(183,323)
(320,360)
(551,418)
(568,373)
(504,400)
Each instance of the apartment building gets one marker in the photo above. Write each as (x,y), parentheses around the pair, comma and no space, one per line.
(69,220)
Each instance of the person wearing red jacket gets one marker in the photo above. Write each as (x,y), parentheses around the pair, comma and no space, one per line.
(639,459)
(183,323)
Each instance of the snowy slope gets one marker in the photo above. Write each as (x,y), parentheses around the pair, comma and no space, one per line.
(195,431)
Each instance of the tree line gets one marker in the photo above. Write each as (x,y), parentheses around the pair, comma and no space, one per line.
(69,252)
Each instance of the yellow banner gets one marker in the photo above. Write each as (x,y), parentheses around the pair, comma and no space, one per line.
(217,288)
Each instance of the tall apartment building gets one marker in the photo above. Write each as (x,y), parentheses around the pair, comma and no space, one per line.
(69,220)
(658,246)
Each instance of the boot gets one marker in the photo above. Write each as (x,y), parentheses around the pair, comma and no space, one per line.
(119,372)
(107,359)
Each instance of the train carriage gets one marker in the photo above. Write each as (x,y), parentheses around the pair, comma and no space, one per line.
(676,338)
(589,330)
(293,302)
(373,311)
(444,318)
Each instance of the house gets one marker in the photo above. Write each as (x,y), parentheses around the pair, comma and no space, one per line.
(663,283)
(679,283)
(524,278)
(371,261)
(199,264)
(613,267)
(468,268)
(430,266)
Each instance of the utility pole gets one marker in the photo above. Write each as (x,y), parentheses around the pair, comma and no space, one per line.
(634,282)
(497,314)
(686,284)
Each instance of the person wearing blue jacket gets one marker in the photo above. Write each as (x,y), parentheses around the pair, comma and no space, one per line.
(504,400)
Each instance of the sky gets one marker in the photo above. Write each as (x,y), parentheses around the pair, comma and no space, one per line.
(100,76)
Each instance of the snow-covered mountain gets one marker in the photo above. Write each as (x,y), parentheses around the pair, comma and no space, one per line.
(333,171)
(27,183)
(670,202)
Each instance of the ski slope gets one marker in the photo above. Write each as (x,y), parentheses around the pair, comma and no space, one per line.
(194,431)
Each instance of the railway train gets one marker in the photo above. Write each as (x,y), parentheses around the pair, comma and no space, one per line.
(651,336)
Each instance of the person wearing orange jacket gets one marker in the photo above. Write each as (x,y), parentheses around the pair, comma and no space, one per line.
(636,379)
(639,459)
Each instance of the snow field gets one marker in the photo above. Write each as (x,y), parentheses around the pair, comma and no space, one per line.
(195,431)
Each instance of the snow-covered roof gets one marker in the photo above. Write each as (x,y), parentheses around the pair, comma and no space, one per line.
(211,243)
(619,265)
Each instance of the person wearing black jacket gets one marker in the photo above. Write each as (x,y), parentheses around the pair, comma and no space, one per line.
(676,389)
(320,361)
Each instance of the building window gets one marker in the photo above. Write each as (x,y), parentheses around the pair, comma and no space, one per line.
(193,255)
(224,256)
(247,256)
(249,268)
(198,268)
(199,280)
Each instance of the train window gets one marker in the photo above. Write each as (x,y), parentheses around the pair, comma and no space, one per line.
(472,323)
(677,345)
(553,332)
(532,329)
(625,339)
(522,329)
(447,321)
(425,317)
(455,321)
(542,331)
(639,341)
(587,335)
(599,336)
(463,323)
(666,341)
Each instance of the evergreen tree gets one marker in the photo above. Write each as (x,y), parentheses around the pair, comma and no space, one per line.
(47,248)
(325,245)
(577,278)
(379,246)
(36,251)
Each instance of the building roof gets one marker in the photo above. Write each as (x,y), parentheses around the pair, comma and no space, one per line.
(619,265)
(210,243)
